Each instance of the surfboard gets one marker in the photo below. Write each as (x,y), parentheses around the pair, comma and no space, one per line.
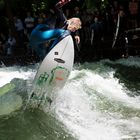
(116,33)
(55,68)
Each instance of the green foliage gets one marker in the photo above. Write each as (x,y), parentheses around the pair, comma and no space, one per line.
(93,4)
(1,4)
(90,4)
(4,22)
(39,6)
(104,3)
(18,6)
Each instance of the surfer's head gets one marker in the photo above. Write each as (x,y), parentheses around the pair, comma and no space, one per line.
(74,24)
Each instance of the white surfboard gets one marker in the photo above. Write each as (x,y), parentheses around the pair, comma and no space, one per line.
(116,33)
(55,68)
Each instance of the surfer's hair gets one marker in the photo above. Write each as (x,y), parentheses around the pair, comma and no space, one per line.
(75,21)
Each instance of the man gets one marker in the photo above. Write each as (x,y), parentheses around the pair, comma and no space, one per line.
(97,30)
(72,24)
(42,34)
(29,24)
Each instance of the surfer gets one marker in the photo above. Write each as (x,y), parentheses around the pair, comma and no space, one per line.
(42,34)
(72,24)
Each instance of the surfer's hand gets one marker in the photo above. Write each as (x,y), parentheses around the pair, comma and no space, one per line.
(77,38)
(61,3)
(65,1)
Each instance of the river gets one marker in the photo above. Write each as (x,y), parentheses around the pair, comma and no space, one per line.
(100,101)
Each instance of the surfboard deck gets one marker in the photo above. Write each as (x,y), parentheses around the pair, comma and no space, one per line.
(55,68)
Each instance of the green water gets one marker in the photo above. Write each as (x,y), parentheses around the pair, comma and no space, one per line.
(100,101)
(32,124)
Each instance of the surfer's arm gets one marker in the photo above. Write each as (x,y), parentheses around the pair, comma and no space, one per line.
(61,18)
(77,38)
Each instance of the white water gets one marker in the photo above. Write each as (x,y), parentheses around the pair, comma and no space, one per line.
(88,116)
(92,105)
(9,73)
(10,101)
(97,107)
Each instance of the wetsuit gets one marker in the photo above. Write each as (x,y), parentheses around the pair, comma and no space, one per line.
(42,34)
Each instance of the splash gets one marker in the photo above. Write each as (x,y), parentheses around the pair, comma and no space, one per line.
(10,87)
(93,104)
(96,106)
(7,74)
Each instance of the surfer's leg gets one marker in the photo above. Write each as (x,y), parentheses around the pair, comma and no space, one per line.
(42,34)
